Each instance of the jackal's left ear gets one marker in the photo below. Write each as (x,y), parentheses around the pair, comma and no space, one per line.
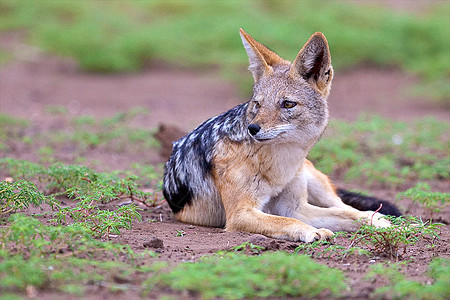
(313,63)
(261,58)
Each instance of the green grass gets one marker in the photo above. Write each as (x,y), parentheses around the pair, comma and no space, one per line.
(81,135)
(114,133)
(61,258)
(421,194)
(85,186)
(19,195)
(393,241)
(398,287)
(12,128)
(116,36)
(377,150)
(68,260)
(66,257)
(275,274)
(369,240)
(28,236)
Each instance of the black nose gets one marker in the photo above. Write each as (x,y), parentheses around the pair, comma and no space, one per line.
(254,129)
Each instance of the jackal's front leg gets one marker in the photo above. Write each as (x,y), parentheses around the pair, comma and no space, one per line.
(243,214)
(332,212)
(320,190)
(338,219)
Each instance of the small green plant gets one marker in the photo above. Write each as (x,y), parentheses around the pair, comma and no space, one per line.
(421,194)
(56,109)
(180,233)
(46,154)
(99,221)
(59,177)
(90,196)
(399,287)
(11,127)
(403,232)
(232,276)
(329,250)
(248,247)
(320,249)
(75,179)
(19,195)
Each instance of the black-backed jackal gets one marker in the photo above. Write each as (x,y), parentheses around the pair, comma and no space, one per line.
(246,169)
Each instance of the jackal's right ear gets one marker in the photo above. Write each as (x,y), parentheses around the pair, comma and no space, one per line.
(261,58)
(313,63)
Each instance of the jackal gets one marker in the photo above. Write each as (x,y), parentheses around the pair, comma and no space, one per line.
(246,169)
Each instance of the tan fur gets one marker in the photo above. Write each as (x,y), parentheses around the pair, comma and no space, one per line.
(321,191)
(205,212)
(244,200)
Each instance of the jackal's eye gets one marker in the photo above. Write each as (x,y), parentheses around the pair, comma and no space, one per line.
(288,104)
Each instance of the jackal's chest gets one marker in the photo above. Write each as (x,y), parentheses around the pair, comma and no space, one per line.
(263,169)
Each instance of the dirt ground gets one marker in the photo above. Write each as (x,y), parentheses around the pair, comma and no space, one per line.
(32,82)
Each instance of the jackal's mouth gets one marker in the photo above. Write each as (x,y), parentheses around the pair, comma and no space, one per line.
(268,136)
(260,140)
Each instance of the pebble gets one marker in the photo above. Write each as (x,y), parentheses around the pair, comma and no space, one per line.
(154,243)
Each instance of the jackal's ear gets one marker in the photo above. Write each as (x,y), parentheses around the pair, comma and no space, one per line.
(261,58)
(313,63)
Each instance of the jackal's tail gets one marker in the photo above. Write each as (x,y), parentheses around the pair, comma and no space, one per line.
(363,203)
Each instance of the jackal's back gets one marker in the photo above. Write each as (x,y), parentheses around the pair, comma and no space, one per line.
(187,174)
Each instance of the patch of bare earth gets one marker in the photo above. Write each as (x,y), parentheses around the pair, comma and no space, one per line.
(186,99)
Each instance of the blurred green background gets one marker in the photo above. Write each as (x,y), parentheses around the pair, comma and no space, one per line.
(124,36)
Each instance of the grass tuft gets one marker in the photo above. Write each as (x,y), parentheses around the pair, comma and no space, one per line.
(421,194)
(276,274)
(389,241)
(398,287)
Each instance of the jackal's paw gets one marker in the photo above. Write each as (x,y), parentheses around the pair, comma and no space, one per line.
(377,220)
(321,234)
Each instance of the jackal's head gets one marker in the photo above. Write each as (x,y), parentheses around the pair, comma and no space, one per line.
(289,102)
